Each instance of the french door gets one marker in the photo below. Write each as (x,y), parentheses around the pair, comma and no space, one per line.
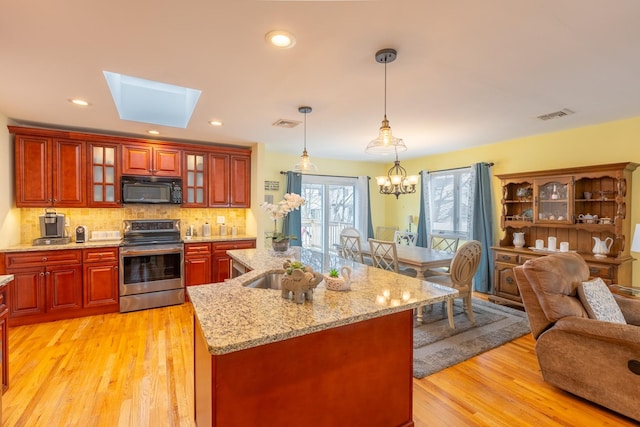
(330,205)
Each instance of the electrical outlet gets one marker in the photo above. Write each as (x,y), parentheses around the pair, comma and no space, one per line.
(220,219)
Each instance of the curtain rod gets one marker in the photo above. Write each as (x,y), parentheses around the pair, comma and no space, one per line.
(315,174)
(460,167)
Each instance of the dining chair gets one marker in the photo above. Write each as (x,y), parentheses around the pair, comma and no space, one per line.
(460,277)
(408,238)
(441,242)
(383,254)
(350,245)
(385,233)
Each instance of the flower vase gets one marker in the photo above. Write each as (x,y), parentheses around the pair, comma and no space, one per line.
(281,246)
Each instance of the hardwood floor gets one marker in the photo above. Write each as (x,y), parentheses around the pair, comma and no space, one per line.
(136,369)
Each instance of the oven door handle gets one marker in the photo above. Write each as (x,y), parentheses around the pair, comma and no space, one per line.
(142,252)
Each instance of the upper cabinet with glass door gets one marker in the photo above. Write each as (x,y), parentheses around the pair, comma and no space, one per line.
(194,180)
(104,175)
(553,200)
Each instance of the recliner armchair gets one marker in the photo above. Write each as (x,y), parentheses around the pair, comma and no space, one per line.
(596,360)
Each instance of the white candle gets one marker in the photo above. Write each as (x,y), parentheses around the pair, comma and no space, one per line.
(551,243)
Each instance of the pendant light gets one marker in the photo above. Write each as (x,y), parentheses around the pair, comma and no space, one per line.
(305,164)
(396,181)
(385,143)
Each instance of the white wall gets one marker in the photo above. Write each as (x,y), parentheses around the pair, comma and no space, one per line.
(9,214)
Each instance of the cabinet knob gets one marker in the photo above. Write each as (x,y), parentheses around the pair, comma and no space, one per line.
(509,280)
(506,257)
(47,273)
(594,270)
(42,274)
(44,258)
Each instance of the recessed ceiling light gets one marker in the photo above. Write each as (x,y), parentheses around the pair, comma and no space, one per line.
(281,38)
(79,102)
(153,132)
(215,122)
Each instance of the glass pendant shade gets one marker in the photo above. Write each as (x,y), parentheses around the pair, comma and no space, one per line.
(305,164)
(385,143)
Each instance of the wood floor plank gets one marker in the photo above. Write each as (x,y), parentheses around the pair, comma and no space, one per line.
(136,370)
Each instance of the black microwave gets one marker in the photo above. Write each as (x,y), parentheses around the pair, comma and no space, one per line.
(151,190)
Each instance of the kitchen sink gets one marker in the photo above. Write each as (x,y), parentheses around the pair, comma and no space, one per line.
(270,281)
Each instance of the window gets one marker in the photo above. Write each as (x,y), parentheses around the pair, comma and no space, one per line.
(450,202)
(331,204)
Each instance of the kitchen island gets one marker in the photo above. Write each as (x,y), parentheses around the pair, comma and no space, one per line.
(343,359)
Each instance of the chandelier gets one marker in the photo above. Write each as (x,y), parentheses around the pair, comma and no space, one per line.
(385,143)
(305,164)
(396,181)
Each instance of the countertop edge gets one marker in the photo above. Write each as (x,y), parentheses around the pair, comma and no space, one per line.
(27,247)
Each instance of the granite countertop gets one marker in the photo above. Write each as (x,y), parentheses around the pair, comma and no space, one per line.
(28,247)
(233,317)
(5,279)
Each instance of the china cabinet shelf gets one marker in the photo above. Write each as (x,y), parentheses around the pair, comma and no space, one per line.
(600,191)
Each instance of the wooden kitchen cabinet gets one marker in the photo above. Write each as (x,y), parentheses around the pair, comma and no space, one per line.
(100,279)
(230,180)
(240,181)
(49,171)
(151,160)
(104,175)
(197,260)
(195,180)
(222,262)
(542,204)
(47,285)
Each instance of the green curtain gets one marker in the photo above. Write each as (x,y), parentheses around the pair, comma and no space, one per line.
(482,229)
(292,224)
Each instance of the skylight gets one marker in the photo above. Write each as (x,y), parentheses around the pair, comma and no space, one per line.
(148,101)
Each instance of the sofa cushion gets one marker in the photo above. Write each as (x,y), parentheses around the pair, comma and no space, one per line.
(599,302)
(554,279)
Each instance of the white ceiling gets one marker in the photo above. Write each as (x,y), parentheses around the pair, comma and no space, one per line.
(468,72)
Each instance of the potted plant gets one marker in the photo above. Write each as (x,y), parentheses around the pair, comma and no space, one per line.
(299,281)
(338,281)
(291,202)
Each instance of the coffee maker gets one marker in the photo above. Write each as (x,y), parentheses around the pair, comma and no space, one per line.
(52,230)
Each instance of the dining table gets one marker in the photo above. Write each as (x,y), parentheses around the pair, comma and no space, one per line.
(416,257)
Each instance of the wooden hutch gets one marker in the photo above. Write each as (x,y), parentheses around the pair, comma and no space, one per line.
(554,203)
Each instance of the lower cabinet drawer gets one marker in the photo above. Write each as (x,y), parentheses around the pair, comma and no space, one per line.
(599,270)
(506,257)
(38,258)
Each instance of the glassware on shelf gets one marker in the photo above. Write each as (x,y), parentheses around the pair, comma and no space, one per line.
(554,193)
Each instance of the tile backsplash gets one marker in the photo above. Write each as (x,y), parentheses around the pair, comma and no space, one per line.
(111,219)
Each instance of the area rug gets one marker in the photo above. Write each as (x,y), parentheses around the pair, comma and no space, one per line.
(436,346)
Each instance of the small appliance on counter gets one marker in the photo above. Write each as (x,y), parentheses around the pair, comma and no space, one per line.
(82,235)
(52,229)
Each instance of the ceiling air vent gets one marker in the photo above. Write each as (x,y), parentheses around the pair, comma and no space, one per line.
(284,123)
(556,114)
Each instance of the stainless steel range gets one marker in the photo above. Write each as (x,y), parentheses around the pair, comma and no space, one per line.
(151,264)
